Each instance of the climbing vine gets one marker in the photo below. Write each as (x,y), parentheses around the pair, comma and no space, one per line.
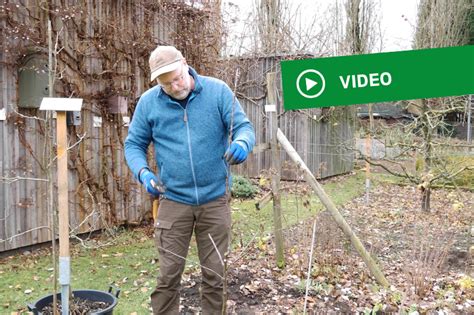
(102,51)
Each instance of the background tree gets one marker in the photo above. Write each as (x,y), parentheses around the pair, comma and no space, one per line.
(361,36)
(440,23)
(362,26)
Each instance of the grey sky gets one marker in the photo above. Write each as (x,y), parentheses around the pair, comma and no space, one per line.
(398,18)
(398,22)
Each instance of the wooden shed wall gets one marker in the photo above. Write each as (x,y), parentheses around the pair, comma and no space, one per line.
(102,191)
(322,137)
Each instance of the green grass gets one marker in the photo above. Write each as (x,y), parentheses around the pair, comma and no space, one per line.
(451,165)
(131,263)
(386,178)
(249,222)
(454,163)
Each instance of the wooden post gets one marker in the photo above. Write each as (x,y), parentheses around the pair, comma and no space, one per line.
(63,208)
(276,169)
(327,202)
(368,154)
(61,105)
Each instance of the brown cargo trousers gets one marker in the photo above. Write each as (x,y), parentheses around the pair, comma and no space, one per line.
(173,230)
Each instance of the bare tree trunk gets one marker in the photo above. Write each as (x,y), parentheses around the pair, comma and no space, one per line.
(49,173)
(425,199)
(358,26)
(276,169)
(354,34)
(427,156)
(269,26)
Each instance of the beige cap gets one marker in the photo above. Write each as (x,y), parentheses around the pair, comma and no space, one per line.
(164,59)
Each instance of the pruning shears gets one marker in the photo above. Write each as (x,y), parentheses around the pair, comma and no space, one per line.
(156,202)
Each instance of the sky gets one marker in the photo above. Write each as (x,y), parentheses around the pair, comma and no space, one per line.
(398,18)
(398,22)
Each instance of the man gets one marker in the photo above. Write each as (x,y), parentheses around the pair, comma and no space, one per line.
(189,118)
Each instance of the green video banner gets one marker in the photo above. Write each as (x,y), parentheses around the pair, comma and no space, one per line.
(370,78)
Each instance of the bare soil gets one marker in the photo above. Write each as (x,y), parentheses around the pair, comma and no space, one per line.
(425,257)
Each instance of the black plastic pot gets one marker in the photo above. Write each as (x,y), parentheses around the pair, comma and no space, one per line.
(89,295)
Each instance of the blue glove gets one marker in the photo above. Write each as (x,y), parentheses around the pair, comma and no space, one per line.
(149,180)
(235,154)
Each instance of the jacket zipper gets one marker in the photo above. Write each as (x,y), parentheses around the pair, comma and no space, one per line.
(185,119)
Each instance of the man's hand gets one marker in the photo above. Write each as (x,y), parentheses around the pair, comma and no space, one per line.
(235,154)
(149,180)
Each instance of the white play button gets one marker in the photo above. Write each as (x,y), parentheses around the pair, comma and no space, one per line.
(309,83)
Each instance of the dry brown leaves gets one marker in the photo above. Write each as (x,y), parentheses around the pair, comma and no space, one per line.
(425,257)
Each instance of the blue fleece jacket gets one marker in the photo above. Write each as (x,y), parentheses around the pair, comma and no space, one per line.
(189,142)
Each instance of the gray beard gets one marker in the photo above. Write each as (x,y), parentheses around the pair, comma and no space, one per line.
(181,98)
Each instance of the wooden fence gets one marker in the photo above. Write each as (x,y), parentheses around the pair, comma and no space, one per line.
(103,58)
(322,137)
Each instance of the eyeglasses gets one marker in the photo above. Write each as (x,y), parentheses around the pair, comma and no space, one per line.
(175,81)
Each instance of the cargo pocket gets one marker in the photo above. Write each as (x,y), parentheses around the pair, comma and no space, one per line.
(161,227)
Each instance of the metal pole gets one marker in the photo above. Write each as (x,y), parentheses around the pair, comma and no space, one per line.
(310,264)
